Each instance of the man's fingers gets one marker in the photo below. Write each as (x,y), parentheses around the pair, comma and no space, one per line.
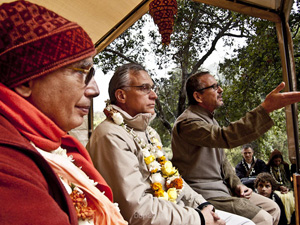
(279,87)
(292,96)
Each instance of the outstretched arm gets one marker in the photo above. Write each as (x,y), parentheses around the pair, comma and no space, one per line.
(276,100)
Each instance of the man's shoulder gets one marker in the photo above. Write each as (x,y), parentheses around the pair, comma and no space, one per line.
(239,165)
(107,127)
(193,113)
(10,136)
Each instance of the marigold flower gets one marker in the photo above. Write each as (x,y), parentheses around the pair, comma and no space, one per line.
(163,158)
(153,171)
(159,193)
(149,159)
(177,183)
(80,204)
(156,186)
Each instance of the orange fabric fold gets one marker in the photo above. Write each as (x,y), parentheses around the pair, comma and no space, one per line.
(105,212)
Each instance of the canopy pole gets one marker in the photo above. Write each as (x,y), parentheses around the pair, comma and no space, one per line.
(91,119)
(289,76)
(292,85)
(288,69)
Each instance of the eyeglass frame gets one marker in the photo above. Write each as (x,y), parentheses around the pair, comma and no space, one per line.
(214,86)
(143,88)
(90,73)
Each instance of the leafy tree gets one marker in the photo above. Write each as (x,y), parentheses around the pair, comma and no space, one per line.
(197,30)
(246,77)
(250,75)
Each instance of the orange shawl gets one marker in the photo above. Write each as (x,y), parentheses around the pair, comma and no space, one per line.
(46,135)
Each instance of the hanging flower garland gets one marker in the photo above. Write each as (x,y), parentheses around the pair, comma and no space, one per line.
(166,181)
(84,213)
(163,12)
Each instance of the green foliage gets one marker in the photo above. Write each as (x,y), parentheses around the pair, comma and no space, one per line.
(246,77)
(128,47)
(166,99)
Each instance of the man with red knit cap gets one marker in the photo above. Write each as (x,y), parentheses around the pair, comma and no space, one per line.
(46,88)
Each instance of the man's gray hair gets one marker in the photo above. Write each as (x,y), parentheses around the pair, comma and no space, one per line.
(121,78)
(246,146)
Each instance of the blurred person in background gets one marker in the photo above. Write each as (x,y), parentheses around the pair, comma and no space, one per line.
(249,167)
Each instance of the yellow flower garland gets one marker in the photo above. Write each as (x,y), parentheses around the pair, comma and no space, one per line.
(166,181)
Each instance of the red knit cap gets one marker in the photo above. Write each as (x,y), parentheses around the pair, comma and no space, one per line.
(35,41)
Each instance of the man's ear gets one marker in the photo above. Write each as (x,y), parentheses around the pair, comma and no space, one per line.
(120,95)
(24,89)
(197,96)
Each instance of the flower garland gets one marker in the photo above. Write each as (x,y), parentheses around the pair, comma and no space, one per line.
(166,181)
(85,214)
(80,204)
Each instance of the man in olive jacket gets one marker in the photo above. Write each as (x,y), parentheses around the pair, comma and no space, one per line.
(198,142)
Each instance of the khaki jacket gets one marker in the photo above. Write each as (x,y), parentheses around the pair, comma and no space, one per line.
(198,142)
(120,161)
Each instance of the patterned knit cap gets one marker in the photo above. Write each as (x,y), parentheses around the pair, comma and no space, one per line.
(35,41)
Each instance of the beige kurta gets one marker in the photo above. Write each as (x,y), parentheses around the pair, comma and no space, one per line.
(120,160)
(198,142)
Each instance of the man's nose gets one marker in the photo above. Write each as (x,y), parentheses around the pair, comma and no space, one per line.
(153,94)
(92,89)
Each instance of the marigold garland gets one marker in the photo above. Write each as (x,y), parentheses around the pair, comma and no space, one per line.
(84,213)
(166,181)
(80,204)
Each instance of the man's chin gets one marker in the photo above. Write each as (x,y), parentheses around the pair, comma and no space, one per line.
(220,105)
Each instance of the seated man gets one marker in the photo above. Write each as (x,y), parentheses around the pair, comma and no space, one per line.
(198,142)
(46,87)
(249,167)
(129,154)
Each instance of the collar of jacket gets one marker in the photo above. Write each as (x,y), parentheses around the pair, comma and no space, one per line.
(197,109)
(138,122)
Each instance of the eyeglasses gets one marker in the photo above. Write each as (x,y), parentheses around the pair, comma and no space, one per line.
(89,73)
(214,86)
(146,88)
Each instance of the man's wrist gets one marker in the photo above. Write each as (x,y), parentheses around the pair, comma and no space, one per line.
(201,216)
(204,205)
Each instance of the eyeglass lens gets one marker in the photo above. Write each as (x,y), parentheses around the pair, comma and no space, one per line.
(90,75)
